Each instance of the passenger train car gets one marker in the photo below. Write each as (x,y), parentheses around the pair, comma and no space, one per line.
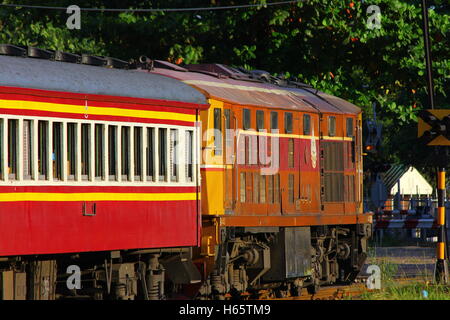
(89,163)
(202,181)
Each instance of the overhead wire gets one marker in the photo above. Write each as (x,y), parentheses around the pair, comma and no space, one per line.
(244,6)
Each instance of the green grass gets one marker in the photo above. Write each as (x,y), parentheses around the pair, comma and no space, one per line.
(412,291)
(392,289)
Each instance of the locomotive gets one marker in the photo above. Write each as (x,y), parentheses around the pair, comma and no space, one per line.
(150,180)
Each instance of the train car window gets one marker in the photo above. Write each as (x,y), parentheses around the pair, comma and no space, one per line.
(190,156)
(273,120)
(99,149)
(306,124)
(270,189)
(259,120)
(42,149)
(112,153)
(162,153)
(1,148)
(276,188)
(291,188)
(217,132)
(173,155)
(125,154)
(262,189)
(27,149)
(246,119)
(150,154)
(13,139)
(71,151)
(138,154)
(57,150)
(255,187)
(331,126)
(242,187)
(288,122)
(85,150)
(349,127)
(291,153)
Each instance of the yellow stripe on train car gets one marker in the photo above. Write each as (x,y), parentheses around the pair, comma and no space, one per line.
(90,110)
(40,196)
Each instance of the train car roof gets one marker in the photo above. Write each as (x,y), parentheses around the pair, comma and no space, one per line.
(78,78)
(260,94)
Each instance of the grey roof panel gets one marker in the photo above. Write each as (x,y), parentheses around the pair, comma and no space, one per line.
(79,78)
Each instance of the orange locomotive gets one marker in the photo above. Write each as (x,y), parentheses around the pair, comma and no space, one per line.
(281,181)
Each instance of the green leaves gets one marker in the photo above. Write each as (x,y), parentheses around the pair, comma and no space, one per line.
(309,39)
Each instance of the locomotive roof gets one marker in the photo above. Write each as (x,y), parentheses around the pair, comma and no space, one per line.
(261,94)
(78,78)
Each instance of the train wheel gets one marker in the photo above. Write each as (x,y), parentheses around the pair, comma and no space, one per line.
(314,287)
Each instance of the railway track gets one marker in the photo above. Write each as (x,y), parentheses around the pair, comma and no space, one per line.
(340,292)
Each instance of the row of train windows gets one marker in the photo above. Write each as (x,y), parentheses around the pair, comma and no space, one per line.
(288,124)
(95,151)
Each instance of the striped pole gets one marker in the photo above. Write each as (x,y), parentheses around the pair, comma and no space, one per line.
(441,263)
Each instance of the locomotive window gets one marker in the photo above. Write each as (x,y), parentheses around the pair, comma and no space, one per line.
(85,150)
(99,151)
(57,150)
(291,188)
(255,187)
(138,154)
(291,153)
(150,154)
(331,126)
(259,120)
(227,114)
(27,149)
(349,127)
(276,188)
(217,132)
(13,135)
(306,124)
(273,120)
(42,149)
(246,119)
(242,187)
(270,189)
(71,150)
(125,153)
(162,152)
(190,156)
(288,122)
(262,189)
(112,150)
(173,155)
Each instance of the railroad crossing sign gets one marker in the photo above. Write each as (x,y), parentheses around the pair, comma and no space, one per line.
(434,127)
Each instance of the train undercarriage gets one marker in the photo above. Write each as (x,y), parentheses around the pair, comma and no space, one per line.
(284,260)
(278,261)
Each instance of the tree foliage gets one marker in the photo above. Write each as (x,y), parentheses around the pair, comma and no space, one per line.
(325,43)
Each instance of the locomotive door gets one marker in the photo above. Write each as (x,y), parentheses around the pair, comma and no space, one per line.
(309,166)
(350,165)
(229,159)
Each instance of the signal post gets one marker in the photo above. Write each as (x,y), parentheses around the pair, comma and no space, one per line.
(434,130)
